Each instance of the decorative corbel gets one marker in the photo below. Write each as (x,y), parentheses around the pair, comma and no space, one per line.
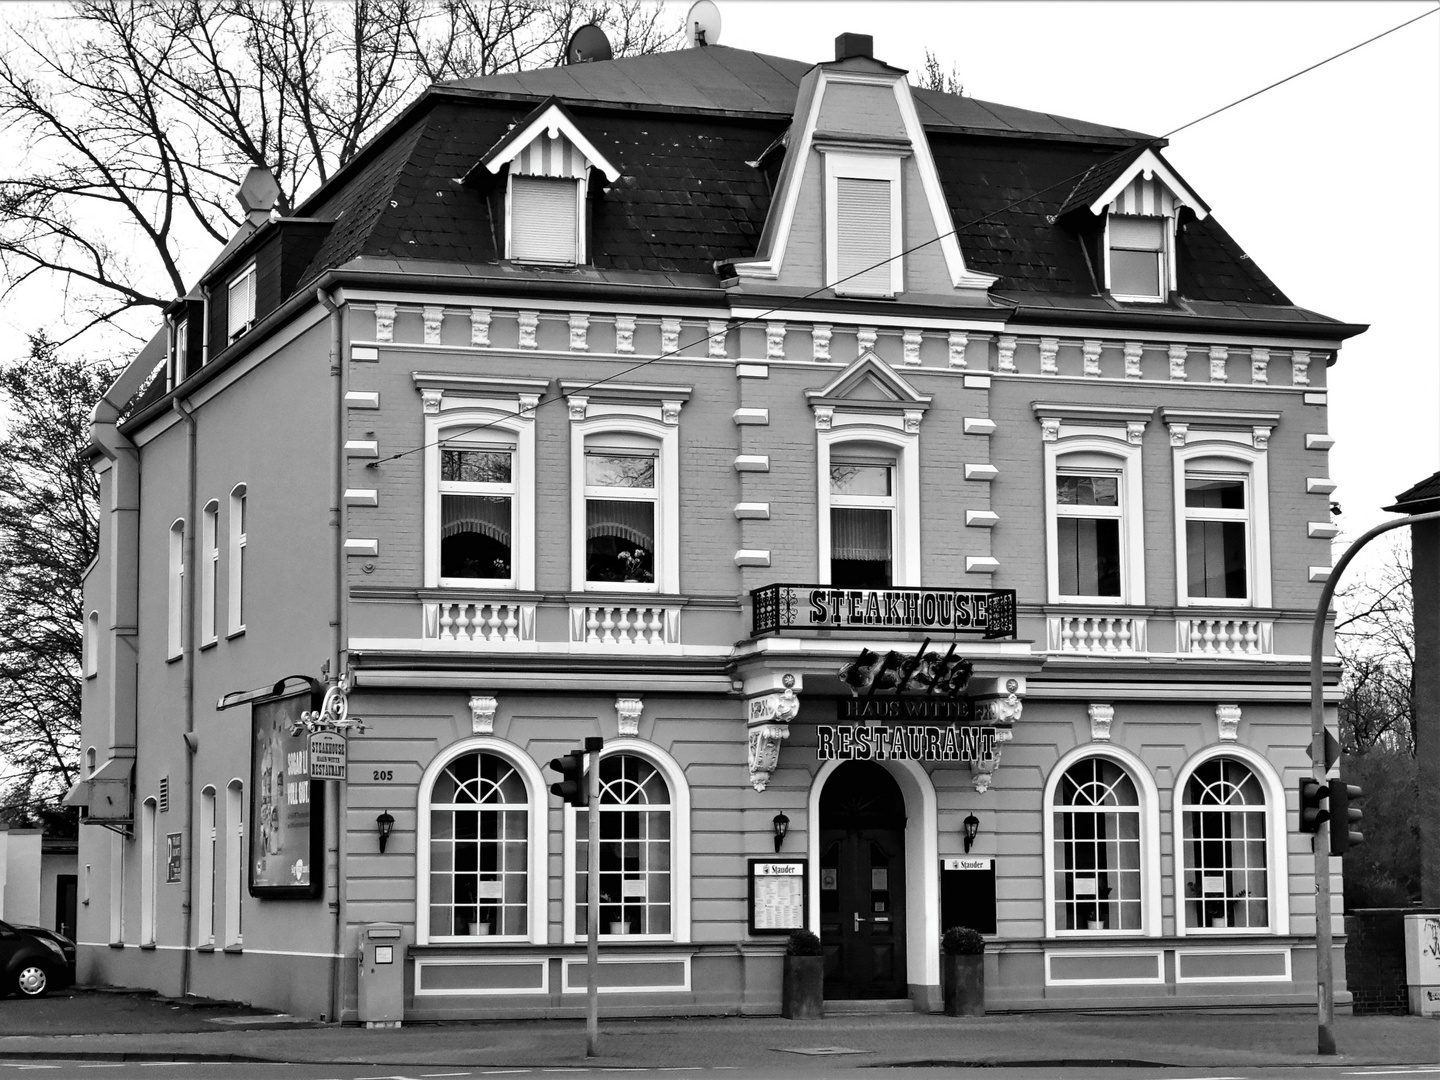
(579,332)
(384,322)
(1227,717)
(820,343)
(1219,357)
(769,717)
(1300,367)
(480,326)
(1178,434)
(482,714)
(430,400)
(1100,719)
(1177,362)
(715,340)
(1135,432)
(1260,437)
(1090,350)
(669,335)
(627,710)
(824,417)
(529,322)
(1134,350)
(958,341)
(434,319)
(775,340)
(528,404)
(912,421)
(670,412)
(1007,352)
(1000,712)
(1260,366)
(1049,349)
(577,405)
(1050,429)
(865,338)
(910,343)
(625,333)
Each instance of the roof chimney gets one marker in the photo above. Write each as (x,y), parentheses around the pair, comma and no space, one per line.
(257,195)
(850,45)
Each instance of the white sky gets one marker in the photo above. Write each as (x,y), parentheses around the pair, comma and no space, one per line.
(1330,182)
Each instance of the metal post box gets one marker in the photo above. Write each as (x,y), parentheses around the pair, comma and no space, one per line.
(382,975)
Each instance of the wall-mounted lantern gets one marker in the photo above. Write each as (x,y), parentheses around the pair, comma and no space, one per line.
(782,826)
(972,829)
(384,823)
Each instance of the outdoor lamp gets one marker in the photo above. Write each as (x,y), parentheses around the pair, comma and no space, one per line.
(782,826)
(972,827)
(384,823)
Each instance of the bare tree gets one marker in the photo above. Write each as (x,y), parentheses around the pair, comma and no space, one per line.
(137,117)
(934,77)
(1375,637)
(48,530)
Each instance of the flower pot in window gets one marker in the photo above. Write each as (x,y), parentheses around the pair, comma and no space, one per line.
(480,929)
(1218,921)
(620,926)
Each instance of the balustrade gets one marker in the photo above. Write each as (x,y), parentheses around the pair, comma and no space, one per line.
(642,625)
(480,621)
(1225,636)
(1096,633)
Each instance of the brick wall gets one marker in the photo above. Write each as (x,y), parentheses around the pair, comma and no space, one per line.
(1375,958)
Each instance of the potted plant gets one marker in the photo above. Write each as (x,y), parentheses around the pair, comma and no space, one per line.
(964,973)
(802,994)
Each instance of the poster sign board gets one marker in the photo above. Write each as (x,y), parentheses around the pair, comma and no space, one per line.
(172,858)
(286,824)
(778,888)
(327,756)
(967,893)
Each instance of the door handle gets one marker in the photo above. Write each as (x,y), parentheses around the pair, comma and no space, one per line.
(858,921)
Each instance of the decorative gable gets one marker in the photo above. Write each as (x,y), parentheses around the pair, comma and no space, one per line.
(548,142)
(858,205)
(1146,186)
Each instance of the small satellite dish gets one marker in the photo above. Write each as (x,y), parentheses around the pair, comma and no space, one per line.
(702,24)
(587,44)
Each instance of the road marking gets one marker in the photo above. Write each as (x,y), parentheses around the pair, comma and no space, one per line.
(1419,1070)
(502,1072)
(446,1074)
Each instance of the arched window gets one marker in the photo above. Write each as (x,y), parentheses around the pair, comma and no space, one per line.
(479,849)
(149,867)
(209,569)
(92,644)
(1229,842)
(234,861)
(636,855)
(238,544)
(176,597)
(1098,849)
(205,878)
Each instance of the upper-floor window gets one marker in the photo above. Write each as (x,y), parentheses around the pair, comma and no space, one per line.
(1217,536)
(92,644)
(863,232)
(545,222)
(180,358)
(862,521)
(241,302)
(620,514)
(1136,257)
(1088,516)
(239,541)
(209,570)
(175,638)
(477,495)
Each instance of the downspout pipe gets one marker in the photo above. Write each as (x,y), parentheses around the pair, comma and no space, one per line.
(336,790)
(187,624)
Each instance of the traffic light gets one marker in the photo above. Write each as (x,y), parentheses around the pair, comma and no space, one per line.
(1312,809)
(1343,817)
(572,787)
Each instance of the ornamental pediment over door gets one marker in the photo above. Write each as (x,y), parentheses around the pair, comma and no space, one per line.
(869,383)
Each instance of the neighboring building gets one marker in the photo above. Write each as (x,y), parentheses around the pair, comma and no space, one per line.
(578,405)
(38,880)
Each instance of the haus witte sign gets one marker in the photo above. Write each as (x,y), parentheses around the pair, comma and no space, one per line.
(918,742)
(988,613)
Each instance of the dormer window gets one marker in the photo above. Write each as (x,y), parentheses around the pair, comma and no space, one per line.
(242,302)
(544,220)
(863,237)
(1137,262)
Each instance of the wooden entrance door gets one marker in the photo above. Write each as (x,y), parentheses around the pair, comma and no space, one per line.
(862,883)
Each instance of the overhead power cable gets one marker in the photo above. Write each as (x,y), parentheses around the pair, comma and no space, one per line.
(1074,179)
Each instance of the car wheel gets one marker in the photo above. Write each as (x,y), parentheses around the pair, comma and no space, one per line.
(33,981)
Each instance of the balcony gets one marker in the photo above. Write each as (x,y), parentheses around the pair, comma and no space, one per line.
(787,608)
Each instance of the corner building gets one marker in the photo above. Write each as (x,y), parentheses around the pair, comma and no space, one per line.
(635,399)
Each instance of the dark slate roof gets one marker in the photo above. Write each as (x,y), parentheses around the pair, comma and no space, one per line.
(1099,177)
(1420,499)
(719,78)
(682,128)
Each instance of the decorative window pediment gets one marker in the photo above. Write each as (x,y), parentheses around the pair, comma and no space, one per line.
(869,385)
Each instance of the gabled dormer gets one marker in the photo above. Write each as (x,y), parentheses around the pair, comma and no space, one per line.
(547,161)
(1130,207)
(858,206)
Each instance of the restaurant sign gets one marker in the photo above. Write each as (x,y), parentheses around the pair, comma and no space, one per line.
(917,742)
(990,613)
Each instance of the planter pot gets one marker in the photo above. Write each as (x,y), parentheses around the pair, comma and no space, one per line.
(802,993)
(964,984)
(1218,922)
(619,928)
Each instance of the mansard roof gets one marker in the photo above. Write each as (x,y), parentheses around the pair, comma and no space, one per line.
(686,132)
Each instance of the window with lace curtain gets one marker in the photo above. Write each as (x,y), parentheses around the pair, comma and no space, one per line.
(862,523)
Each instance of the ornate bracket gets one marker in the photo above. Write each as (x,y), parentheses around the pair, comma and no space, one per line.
(480,326)
(482,714)
(1001,713)
(434,319)
(384,322)
(1101,717)
(528,322)
(628,709)
(625,333)
(1049,350)
(958,341)
(769,716)
(1228,719)
(579,332)
(820,342)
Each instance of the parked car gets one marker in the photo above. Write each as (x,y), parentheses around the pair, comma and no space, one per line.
(33,962)
(66,945)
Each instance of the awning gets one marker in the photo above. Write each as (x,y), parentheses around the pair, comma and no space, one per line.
(107,792)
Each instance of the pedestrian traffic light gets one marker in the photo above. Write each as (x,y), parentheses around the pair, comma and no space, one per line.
(572,787)
(1343,816)
(1312,804)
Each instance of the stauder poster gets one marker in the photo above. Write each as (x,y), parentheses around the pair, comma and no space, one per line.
(286,816)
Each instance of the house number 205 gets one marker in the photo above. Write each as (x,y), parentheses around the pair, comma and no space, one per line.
(384,774)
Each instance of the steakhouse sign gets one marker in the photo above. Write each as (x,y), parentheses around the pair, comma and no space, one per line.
(990,613)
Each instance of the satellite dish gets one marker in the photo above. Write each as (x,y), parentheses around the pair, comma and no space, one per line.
(587,44)
(702,24)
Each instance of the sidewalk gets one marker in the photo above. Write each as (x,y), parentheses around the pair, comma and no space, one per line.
(123,1026)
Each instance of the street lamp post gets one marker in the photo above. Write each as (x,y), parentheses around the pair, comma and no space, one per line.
(1324,962)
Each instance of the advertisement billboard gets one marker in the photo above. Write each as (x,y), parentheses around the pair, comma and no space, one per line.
(287,816)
